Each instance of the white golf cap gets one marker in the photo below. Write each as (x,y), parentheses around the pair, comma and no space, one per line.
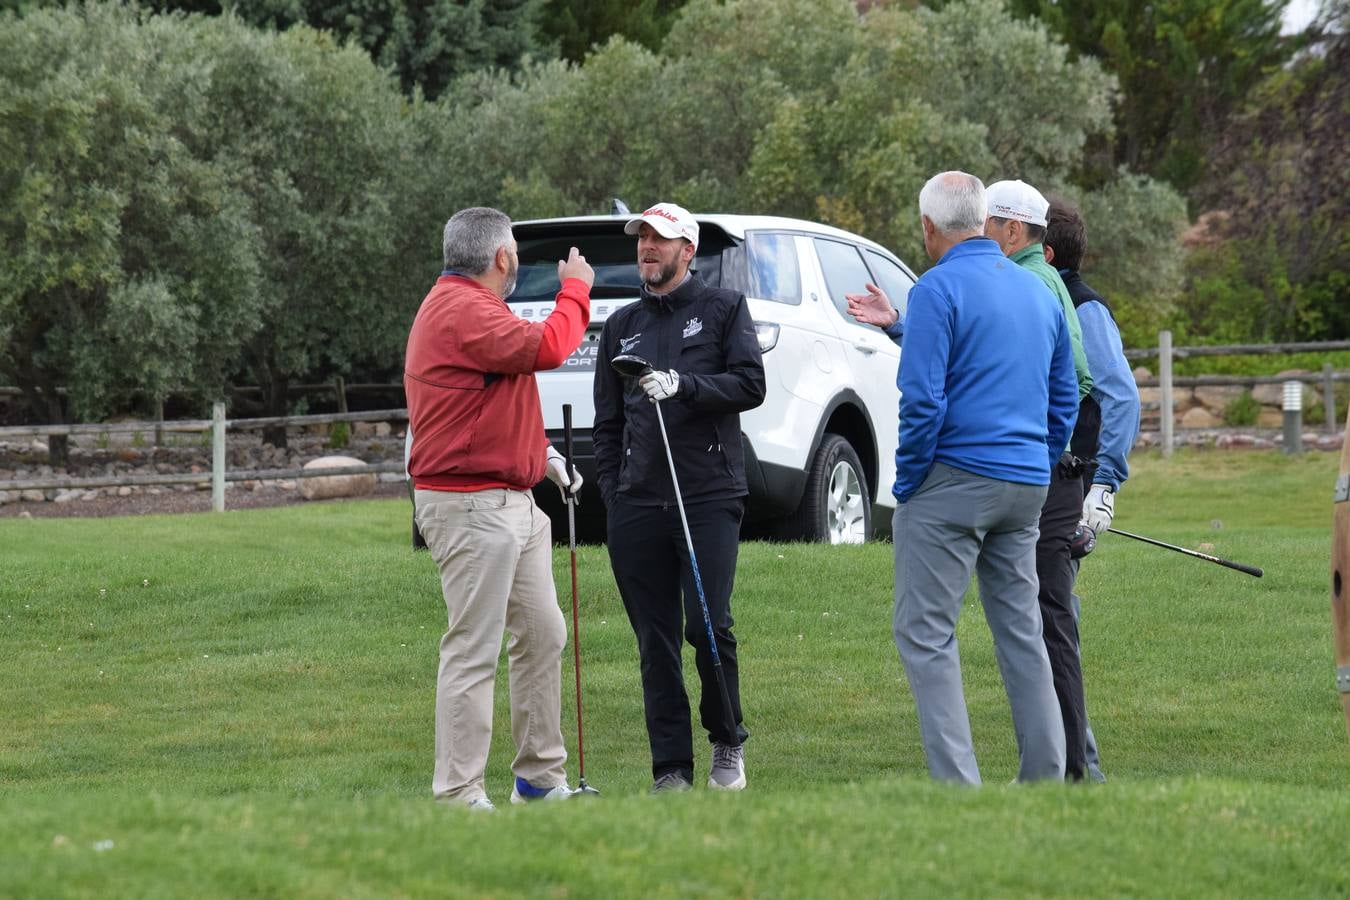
(669,221)
(1017,200)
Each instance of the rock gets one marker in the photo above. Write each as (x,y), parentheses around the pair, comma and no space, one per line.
(1269,417)
(1141,373)
(383,429)
(6,497)
(32,496)
(336,485)
(1273,394)
(1150,395)
(363,429)
(124,491)
(1217,397)
(89,495)
(1200,417)
(65,496)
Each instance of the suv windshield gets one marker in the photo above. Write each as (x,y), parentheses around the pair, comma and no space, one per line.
(611,253)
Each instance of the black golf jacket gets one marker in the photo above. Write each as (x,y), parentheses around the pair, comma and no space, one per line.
(707,336)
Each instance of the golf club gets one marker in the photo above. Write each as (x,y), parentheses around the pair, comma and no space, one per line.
(1250,570)
(582,787)
(635,366)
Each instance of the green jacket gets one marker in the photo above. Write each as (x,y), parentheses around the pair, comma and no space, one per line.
(1032,258)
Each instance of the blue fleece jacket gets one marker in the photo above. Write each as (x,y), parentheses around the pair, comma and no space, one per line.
(986,377)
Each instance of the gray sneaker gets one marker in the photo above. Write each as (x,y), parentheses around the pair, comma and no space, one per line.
(671,782)
(728,768)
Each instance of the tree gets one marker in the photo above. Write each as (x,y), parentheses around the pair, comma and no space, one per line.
(132,266)
(1279,270)
(330,167)
(579,26)
(1184,66)
(428,43)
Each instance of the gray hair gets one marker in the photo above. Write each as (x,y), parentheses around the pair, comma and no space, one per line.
(472,238)
(954,202)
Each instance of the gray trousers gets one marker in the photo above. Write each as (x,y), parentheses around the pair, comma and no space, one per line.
(957,523)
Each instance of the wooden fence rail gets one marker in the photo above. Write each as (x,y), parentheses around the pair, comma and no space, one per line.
(218,475)
(1239,349)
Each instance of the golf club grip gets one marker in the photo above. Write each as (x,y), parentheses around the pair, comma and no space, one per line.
(567,436)
(1249,570)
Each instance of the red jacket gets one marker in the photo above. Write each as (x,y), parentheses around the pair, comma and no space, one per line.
(473,404)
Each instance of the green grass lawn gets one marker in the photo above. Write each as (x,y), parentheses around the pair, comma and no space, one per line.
(241,704)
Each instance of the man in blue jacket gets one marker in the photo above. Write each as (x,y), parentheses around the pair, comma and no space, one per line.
(1113,391)
(988,399)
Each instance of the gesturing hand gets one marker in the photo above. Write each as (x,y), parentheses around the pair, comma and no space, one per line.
(873,307)
(575,266)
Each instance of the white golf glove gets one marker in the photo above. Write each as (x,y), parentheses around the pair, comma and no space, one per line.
(1099,507)
(660,385)
(557,473)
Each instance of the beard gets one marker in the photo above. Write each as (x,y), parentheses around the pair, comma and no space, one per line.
(510,287)
(664,275)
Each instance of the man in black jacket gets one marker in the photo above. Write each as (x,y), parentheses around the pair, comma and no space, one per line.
(707,369)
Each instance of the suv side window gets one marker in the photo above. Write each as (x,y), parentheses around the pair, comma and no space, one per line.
(845,273)
(773,268)
(890,278)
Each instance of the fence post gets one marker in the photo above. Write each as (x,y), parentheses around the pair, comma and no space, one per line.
(1165,391)
(340,388)
(1329,398)
(159,422)
(218,457)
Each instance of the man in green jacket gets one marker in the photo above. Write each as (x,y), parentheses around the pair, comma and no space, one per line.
(1017,219)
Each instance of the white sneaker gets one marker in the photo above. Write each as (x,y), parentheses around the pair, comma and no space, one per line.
(728,768)
(481,804)
(524,792)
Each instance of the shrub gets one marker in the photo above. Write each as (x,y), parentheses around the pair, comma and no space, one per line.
(1242,410)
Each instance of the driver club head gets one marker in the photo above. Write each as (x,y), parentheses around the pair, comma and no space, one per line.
(584,790)
(630,364)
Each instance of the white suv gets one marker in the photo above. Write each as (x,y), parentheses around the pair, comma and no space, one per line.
(820,451)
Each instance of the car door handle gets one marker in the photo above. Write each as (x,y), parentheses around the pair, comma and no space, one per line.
(864,347)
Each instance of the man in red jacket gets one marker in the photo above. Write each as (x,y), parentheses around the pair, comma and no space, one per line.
(478,448)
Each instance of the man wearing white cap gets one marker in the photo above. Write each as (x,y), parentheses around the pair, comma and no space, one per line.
(707,369)
(1017,220)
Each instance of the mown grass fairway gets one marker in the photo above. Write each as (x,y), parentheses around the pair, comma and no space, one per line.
(241,704)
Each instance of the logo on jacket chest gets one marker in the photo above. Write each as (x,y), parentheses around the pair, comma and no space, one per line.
(627,344)
(692,327)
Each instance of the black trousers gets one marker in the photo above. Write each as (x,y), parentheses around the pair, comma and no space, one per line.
(650,558)
(1059,517)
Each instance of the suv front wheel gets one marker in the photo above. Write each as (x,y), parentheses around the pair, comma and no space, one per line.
(836,506)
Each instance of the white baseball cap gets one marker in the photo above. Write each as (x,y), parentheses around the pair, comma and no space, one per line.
(669,221)
(1017,200)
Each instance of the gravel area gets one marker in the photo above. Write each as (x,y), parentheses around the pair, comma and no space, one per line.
(170,500)
(118,455)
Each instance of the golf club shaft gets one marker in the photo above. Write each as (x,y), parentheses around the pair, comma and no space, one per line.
(576,618)
(1250,570)
(698,585)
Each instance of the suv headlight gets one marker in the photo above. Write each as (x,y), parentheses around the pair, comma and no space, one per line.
(767,333)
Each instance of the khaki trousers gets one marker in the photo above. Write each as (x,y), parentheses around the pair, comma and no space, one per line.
(494,552)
